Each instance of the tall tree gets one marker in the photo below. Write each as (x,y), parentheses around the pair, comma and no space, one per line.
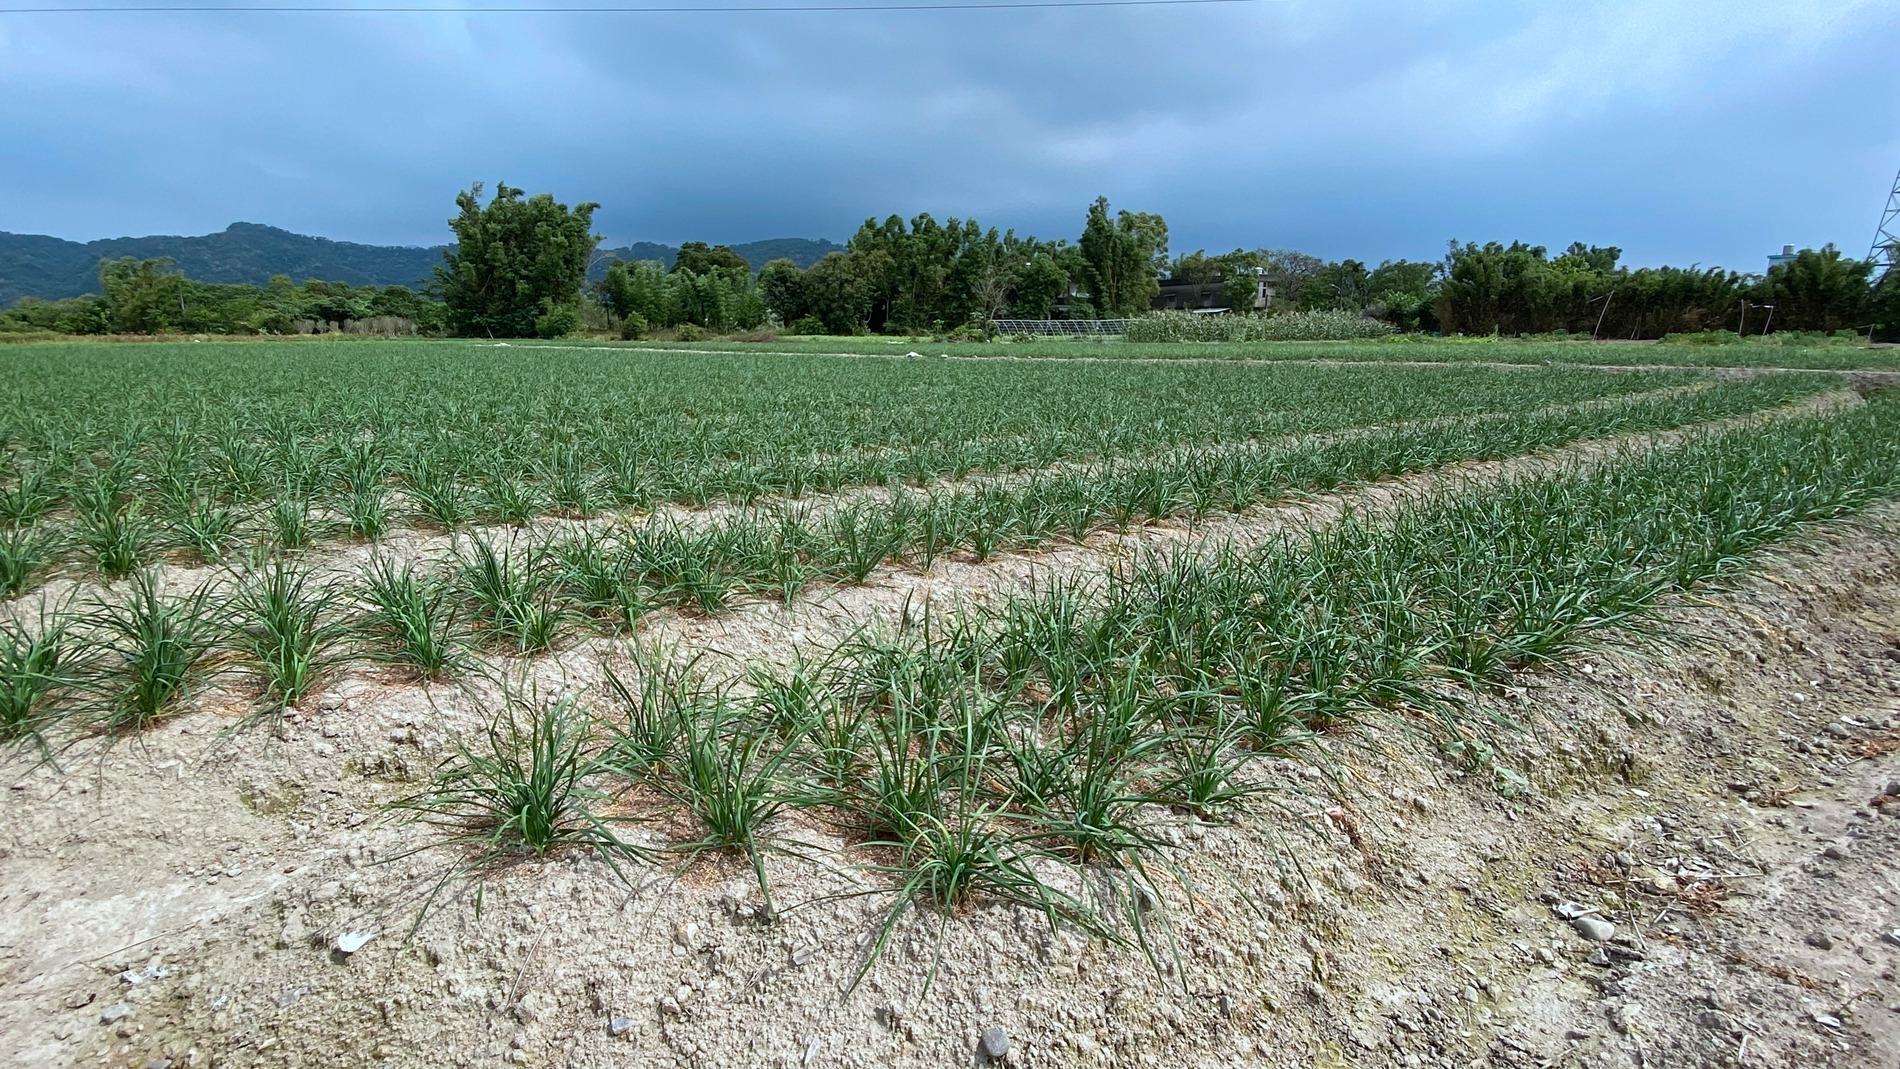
(1121,258)
(783,288)
(143,296)
(517,267)
(1819,290)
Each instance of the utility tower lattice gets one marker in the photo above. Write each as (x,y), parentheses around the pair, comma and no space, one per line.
(1885,252)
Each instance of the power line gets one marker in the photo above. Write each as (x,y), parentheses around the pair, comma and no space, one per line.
(650,9)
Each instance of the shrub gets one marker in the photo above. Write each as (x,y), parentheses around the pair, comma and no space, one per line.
(556,321)
(633,327)
(689,332)
(1285,326)
(808,325)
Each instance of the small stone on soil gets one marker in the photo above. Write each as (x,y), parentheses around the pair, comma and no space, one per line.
(619,1026)
(1595,929)
(1820,941)
(115,1013)
(995,1043)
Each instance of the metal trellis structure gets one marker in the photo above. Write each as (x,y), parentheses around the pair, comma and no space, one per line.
(1885,252)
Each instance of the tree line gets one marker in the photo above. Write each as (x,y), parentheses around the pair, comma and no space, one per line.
(520,266)
(152,297)
(1520,289)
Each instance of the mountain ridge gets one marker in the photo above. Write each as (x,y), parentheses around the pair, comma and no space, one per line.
(37,265)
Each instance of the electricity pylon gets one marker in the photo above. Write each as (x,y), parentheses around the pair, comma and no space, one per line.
(1885,252)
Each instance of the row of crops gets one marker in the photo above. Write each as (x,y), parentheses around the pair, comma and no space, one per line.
(105,660)
(1045,751)
(781,547)
(1037,751)
(197,440)
(301,455)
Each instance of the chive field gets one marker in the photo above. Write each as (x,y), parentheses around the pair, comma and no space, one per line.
(253,525)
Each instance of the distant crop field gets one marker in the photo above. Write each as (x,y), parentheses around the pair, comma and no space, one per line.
(1831,356)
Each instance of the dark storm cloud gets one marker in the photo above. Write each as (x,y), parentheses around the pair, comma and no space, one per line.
(1675,131)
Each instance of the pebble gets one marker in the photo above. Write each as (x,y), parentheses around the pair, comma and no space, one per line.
(1595,929)
(1834,853)
(995,1043)
(619,1026)
(1820,941)
(115,1013)
(1838,730)
(1623,1018)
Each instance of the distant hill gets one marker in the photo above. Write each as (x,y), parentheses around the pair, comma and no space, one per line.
(33,265)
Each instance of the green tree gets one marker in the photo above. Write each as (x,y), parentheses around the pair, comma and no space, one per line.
(143,296)
(697,257)
(1122,258)
(839,293)
(1042,281)
(335,302)
(1345,286)
(1884,306)
(1818,290)
(515,262)
(783,289)
(1291,272)
(636,289)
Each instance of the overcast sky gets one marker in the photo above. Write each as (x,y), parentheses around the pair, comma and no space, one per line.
(1680,131)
